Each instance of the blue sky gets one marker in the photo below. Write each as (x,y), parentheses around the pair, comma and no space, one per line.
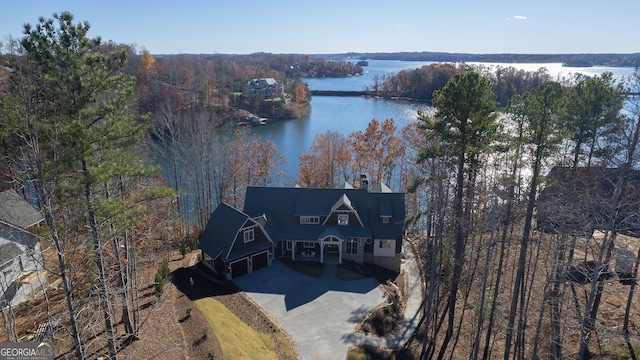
(330,26)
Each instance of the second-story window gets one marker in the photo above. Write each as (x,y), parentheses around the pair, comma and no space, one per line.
(343,219)
(249,235)
(309,220)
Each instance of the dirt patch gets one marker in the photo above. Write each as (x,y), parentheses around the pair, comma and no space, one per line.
(173,328)
(179,330)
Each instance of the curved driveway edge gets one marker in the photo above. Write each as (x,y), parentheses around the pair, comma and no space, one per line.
(320,314)
(412,312)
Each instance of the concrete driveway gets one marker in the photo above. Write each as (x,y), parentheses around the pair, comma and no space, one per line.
(319,313)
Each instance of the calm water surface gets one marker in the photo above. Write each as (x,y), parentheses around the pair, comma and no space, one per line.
(342,114)
(348,114)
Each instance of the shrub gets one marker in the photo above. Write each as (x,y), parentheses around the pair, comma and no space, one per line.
(159,284)
(193,243)
(183,248)
(162,275)
(211,354)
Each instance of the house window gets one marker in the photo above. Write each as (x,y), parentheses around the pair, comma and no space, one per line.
(385,248)
(308,244)
(249,235)
(385,244)
(343,219)
(385,219)
(309,220)
(288,246)
(352,246)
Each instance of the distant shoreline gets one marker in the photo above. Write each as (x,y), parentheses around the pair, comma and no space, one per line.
(610,60)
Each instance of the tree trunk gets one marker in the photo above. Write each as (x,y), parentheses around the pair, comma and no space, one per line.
(46,206)
(458,257)
(593,303)
(103,288)
(526,232)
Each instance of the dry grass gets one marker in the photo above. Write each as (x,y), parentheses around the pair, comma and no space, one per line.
(237,339)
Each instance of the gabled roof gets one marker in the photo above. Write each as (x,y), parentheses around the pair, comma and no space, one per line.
(342,203)
(282,206)
(263,82)
(345,185)
(223,225)
(380,188)
(390,205)
(221,231)
(14,209)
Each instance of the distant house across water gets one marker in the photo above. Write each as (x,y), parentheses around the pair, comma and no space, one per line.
(263,88)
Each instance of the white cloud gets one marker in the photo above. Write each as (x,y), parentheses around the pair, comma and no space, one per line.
(520,17)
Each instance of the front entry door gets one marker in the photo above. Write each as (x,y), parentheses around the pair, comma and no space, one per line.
(331,248)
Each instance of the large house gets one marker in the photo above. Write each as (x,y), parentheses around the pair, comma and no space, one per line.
(20,253)
(364,225)
(263,88)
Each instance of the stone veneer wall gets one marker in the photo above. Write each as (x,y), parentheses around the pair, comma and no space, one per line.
(388,262)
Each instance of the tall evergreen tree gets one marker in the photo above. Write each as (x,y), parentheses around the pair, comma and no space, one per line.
(80,134)
(591,115)
(543,133)
(464,122)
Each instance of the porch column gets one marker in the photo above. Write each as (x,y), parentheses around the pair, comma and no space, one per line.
(339,252)
(293,250)
(322,251)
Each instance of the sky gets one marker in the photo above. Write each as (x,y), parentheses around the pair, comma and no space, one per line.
(340,26)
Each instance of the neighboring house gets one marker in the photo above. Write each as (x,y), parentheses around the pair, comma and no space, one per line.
(15,210)
(578,201)
(308,224)
(20,253)
(263,88)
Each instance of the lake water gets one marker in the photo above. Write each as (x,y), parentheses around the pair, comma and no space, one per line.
(342,114)
(348,114)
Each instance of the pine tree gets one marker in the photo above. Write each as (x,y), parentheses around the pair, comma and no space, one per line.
(465,123)
(81,135)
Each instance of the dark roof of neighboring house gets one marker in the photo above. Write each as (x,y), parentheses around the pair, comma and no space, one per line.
(578,200)
(14,209)
(281,205)
(221,231)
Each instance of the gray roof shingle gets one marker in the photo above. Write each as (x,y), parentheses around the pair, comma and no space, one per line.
(15,210)
(282,206)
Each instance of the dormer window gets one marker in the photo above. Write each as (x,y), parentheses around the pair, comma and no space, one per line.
(249,235)
(343,219)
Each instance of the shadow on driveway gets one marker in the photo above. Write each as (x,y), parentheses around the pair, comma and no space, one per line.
(298,289)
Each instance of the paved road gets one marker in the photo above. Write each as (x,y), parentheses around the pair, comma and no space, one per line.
(321,313)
